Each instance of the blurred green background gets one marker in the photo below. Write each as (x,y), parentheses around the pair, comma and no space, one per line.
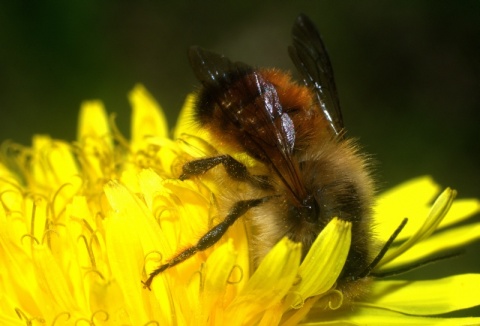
(408,73)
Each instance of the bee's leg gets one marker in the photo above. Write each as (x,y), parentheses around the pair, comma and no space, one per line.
(234,168)
(211,237)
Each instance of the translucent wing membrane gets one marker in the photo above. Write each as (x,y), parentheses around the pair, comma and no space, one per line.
(310,57)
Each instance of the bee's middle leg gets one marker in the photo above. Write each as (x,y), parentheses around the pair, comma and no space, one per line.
(234,169)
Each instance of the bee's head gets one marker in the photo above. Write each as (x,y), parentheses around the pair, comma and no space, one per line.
(339,185)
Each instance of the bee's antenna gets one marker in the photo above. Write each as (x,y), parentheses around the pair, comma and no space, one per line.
(417,265)
(367,271)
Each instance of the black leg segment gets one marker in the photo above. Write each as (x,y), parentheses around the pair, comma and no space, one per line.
(234,169)
(211,237)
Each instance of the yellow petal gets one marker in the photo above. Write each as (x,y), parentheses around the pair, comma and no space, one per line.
(461,210)
(95,142)
(93,122)
(269,284)
(441,242)
(125,250)
(148,119)
(437,213)
(22,285)
(218,268)
(325,259)
(54,163)
(186,123)
(218,271)
(272,316)
(410,199)
(53,283)
(176,202)
(372,316)
(430,297)
(417,192)
(7,318)
(138,215)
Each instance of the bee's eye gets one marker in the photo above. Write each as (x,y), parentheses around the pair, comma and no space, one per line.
(308,211)
(311,210)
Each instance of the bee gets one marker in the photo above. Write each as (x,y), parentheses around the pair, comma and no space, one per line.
(310,172)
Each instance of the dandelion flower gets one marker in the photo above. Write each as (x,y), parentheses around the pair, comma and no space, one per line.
(83,223)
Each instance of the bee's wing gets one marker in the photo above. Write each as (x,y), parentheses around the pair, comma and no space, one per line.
(310,57)
(276,137)
(252,104)
(214,70)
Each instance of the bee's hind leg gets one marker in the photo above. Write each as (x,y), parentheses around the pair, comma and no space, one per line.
(211,237)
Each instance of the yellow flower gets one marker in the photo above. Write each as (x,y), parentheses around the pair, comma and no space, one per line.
(83,223)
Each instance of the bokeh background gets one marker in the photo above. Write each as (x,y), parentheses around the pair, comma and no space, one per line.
(408,73)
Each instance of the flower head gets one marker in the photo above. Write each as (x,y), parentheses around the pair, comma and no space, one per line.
(83,223)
